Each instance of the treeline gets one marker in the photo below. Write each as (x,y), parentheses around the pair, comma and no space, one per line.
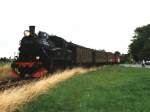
(5,60)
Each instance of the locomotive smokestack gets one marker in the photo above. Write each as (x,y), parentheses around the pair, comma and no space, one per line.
(32,29)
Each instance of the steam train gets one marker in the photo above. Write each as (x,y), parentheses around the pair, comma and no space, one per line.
(42,53)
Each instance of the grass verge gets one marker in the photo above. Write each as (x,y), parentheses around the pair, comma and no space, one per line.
(13,99)
(111,89)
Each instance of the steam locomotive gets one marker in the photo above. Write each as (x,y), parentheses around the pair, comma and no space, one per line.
(42,53)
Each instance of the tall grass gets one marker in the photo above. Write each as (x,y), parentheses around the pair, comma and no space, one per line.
(4,72)
(13,99)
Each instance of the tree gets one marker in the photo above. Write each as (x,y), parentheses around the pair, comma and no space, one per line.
(140,46)
(117,53)
(102,50)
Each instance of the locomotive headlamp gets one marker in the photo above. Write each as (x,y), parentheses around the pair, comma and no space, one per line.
(27,33)
(37,57)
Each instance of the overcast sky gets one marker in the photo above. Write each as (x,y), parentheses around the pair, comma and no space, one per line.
(97,24)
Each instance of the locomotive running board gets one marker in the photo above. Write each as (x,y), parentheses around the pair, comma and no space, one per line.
(40,73)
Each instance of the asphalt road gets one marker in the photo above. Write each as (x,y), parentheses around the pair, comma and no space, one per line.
(135,65)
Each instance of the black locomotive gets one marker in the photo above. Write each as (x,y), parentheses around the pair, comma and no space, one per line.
(43,53)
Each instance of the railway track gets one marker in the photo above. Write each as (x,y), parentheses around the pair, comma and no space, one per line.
(4,85)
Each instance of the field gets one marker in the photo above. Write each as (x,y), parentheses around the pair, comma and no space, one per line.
(110,89)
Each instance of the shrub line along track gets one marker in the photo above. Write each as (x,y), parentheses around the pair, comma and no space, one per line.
(4,85)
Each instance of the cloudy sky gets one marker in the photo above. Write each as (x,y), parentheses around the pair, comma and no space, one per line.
(97,24)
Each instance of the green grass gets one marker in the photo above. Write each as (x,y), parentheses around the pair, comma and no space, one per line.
(111,89)
(3,64)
